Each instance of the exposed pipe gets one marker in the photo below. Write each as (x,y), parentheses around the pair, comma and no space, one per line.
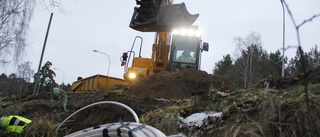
(102,102)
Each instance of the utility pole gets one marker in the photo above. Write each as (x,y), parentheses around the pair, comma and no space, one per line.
(283,38)
(36,82)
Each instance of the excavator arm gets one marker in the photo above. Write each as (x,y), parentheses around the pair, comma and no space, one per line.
(160,51)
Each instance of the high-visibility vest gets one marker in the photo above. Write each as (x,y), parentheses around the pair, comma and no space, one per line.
(186,59)
(14,123)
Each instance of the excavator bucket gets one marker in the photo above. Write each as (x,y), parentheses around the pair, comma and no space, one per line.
(161,18)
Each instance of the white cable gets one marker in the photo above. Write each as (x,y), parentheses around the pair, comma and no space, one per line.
(146,131)
(103,102)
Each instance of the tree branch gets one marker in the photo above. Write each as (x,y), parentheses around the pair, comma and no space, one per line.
(308,20)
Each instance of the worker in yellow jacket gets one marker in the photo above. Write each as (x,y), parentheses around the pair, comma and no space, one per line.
(14,123)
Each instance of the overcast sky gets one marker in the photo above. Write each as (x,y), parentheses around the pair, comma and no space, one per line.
(104,25)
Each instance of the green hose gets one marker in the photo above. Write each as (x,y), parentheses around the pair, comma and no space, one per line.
(56,93)
(65,100)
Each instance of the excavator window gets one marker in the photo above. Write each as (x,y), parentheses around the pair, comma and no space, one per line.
(185,56)
(185,49)
(184,53)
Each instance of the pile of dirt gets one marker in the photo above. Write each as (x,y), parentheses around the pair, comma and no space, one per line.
(178,85)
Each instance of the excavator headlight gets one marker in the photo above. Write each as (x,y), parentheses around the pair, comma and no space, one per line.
(198,33)
(183,32)
(188,32)
(132,75)
(175,32)
(191,33)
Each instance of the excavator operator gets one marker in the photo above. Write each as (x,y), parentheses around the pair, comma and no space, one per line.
(186,57)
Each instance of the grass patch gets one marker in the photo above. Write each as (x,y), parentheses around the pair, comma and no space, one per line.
(250,113)
(40,127)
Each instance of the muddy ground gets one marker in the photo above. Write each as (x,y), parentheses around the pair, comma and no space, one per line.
(160,90)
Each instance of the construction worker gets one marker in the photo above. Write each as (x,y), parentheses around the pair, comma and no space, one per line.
(14,123)
(186,57)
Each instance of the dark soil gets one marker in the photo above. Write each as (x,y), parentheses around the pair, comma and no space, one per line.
(149,93)
(178,85)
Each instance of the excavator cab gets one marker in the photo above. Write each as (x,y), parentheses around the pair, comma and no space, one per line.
(186,49)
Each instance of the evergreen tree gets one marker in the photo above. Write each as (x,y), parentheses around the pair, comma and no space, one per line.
(223,66)
(295,66)
(314,57)
(4,85)
(275,64)
(46,77)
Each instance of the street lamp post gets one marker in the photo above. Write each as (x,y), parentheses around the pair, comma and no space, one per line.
(62,78)
(283,38)
(108,58)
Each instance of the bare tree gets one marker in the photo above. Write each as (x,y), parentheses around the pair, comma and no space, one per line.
(25,72)
(15,16)
(247,49)
(14,21)
(24,75)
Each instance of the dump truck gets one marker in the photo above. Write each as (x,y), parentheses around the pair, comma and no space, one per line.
(96,83)
(177,44)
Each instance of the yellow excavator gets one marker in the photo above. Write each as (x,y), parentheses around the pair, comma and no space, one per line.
(177,45)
